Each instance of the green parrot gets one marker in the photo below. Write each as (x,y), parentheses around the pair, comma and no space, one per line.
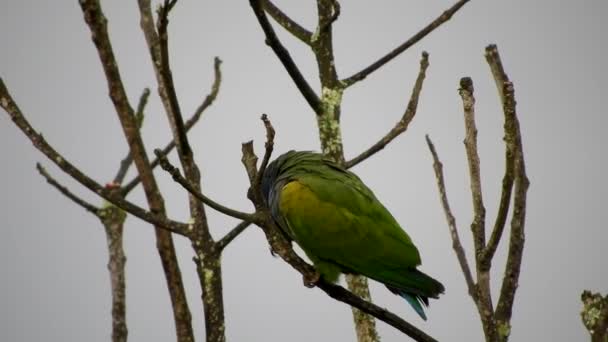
(342,227)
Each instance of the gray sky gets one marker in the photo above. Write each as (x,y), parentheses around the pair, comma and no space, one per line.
(55,285)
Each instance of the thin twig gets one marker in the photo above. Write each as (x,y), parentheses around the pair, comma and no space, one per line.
(207,102)
(402,125)
(139,117)
(288,24)
(269,146)
(177,177)
(210,98)
(11,108)
(445,16)
(66,192)
(232,234)
(456,244)
(166,87)
(273,41)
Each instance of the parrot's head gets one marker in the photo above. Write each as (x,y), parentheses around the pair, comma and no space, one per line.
(278,170)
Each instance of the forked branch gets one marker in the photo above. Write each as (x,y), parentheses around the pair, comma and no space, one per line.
(196,116)
(8,104)
(401,125)
(496,322)
(445,16)
(288,24)
(292,69)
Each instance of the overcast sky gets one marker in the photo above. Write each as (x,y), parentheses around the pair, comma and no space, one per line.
(53,256)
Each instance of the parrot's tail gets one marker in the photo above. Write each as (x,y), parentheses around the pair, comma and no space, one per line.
(419,288)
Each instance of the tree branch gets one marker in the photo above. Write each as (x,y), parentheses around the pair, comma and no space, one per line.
(484,293)
(139,117)
(339,293)
(470,142)
(207,256)
(273,41)
(517,239)
(8,104)
(288,24)
(402,125)
(269,146)
(113,219)
(511,148)
(66,192)
(232,234)
(97,23)
(166,87)
(177,177)
(207,102)
(445,16)
(456,244)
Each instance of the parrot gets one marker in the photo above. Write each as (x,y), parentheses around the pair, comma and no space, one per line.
(342,227)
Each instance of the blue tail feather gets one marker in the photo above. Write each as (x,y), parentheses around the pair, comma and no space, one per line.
(414,301)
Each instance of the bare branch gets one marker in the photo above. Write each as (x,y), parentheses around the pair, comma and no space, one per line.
(207,102)
(66,192)
(97,23)
(445,16)
(497,69)
(335,13)
(484,292)
(250,161)
(345,296)
(210,98)
(269,146)
(500,77)
(456,244)
(113,219)
(405,120)
(288,24)
(176,175)
(232,234)
(273,41)
(166,87)
(11,108)
(139,117)
(470,142)
(517,239)
(322,46)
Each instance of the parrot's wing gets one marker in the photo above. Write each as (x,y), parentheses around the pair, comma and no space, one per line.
(335,218)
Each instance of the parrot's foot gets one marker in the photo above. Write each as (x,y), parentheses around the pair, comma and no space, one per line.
(311,280)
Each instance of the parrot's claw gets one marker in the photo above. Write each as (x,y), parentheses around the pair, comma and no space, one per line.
(311,280)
